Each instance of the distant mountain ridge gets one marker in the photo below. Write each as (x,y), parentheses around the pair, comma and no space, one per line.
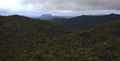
(45,17)
(85,21)
(51,17)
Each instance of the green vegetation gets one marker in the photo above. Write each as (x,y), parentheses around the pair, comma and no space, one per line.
(25,39)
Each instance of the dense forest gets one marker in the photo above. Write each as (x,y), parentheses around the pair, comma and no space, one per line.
(26,39)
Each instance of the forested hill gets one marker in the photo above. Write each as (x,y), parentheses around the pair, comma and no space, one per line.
(86,21)
(27,25)
(25,39)
(19,34)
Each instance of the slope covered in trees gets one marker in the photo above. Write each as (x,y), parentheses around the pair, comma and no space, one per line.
(86,21)
(25,39)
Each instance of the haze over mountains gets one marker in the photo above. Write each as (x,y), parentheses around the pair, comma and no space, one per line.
(50,17)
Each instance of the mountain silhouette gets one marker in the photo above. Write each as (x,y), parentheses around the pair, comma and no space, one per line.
(51,17)
(45,17)
(85,21)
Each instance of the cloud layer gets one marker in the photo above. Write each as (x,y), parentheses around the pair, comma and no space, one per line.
(72,5)
(60,6)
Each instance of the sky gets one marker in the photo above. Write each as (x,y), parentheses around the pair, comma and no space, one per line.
(63,7)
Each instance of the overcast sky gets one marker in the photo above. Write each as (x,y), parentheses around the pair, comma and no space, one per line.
(61,6)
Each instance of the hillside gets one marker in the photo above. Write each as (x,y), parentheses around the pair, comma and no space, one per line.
(19,34)
(25,39)
(85,21)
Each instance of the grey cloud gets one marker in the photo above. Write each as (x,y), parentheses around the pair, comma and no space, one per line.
(74,5)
